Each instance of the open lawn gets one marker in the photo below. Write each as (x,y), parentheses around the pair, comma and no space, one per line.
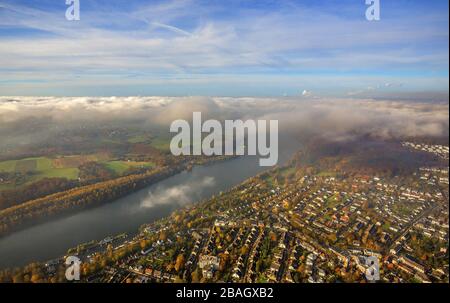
(26,165)
(70,173)
(8,166)
(43,164)
(119,167)
(163,144)
(35,169)
(139,139)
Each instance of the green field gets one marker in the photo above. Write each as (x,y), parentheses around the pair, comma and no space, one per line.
(139,139)
(162,144)
(35,169)
(70,173)
(119,167)
(8,166)
(26,165)
(111,141)
(43,164)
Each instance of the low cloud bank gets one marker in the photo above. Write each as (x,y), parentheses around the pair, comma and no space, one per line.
(27,118)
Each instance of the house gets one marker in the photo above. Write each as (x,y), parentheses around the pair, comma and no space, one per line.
(209,264)
(413,263)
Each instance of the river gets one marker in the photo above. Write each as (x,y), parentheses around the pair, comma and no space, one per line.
(52,239)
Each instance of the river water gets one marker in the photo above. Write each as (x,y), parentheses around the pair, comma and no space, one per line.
(51,239)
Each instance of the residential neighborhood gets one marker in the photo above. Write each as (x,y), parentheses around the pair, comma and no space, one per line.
(317,228)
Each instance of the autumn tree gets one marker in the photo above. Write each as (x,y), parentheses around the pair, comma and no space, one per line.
(179,263)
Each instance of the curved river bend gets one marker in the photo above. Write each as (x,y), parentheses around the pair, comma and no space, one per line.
(52,239)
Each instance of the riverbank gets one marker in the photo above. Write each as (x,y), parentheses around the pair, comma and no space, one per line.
(65,203)
(52,238)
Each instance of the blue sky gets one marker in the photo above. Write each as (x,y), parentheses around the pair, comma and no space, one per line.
(223,48)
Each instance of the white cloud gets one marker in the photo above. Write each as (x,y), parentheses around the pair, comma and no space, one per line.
(171,28)
(180,194)
(306,93)
(328,117)
(260,41)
